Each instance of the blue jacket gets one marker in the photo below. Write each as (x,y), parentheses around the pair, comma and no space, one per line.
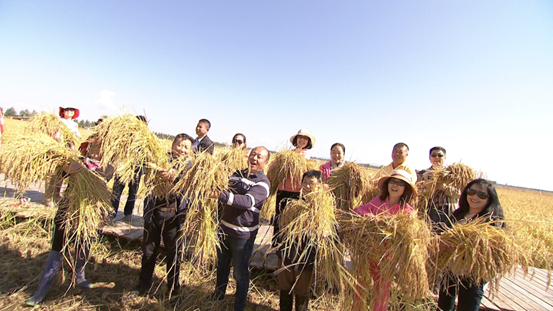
(243,202)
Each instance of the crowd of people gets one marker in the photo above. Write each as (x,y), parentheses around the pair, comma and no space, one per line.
(240,220)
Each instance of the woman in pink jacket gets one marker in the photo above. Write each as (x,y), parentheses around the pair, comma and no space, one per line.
(397,191)
(337,152)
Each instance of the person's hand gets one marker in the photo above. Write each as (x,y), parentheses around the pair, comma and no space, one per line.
(214,194)
(57,136)
(441,185)
(167,174)
(444,247)
(73,168)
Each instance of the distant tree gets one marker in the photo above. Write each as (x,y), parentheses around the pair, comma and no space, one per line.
(34,113)
(25,113)
(10,112)
(86,123)
(165,136)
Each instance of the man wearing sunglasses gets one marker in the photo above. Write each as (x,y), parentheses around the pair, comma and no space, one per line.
(445,197)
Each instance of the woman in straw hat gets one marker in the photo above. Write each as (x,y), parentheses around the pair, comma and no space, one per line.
(397,190)
(302,141)
(479,199)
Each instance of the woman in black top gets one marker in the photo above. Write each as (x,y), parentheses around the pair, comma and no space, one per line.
(478,200)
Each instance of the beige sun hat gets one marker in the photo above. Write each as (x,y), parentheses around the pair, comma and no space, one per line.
(401,175)
(304,132)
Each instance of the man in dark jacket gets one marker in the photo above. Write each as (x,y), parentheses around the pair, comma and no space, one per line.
(248,189)
(202,142)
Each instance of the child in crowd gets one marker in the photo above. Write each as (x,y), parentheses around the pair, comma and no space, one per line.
(203,142)
(297,274)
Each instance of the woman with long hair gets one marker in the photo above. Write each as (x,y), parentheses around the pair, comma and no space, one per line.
(478,200)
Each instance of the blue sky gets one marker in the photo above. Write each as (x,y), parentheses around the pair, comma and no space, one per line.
(473,76)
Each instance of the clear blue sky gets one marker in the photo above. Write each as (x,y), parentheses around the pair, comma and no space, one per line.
(473,76)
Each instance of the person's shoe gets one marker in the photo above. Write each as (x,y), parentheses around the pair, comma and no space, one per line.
(302,303)
(82,258)
(139,291)
(217,297)
(49,272)
(175,297)
(127,219)
(286,302)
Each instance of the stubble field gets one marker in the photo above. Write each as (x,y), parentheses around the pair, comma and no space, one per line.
(115,264)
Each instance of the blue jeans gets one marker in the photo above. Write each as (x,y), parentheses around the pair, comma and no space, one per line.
(239,252)
(470,295)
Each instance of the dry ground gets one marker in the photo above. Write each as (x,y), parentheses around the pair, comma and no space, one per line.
(115,264)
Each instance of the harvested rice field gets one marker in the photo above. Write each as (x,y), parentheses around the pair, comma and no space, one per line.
(114,263)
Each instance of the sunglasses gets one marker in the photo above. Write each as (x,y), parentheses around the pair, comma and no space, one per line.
(437,155)
(237,141)
(397,182)
(481,194)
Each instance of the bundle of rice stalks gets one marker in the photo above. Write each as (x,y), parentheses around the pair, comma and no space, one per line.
(309,229)
(268,209)
(157,184)
(398,243)
(129,145)
(233,159)
(480,252)
(200,226)
(459,175)
(455,176)
(352,186)
(288,164)
(50,124)
(32,158)
(88,202)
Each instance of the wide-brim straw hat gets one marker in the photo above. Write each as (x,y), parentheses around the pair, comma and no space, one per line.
(306,133)
(75,116)
(401,175)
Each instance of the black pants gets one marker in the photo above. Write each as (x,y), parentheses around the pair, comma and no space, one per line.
(59,238)
(281,201)
(470,295)
(118,188)
(157,225)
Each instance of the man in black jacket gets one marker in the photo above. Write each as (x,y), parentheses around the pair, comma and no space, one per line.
(248,189)
(202,142)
